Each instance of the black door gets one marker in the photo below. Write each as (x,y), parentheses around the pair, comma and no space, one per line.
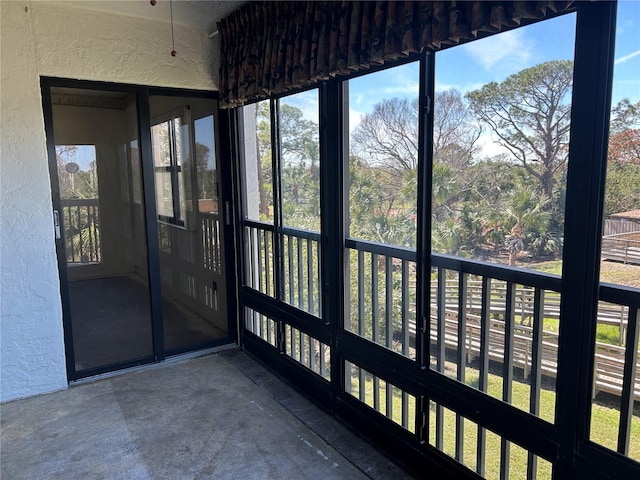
(139,236)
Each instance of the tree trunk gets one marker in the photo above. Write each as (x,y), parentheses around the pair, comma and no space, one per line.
(264,206)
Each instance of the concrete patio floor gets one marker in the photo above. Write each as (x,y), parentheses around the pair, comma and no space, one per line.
(222,416)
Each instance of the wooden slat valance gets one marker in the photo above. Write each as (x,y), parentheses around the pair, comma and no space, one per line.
(269,48)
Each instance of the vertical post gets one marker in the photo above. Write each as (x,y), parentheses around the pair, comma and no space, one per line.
(361,293)
(425,169)
(374,299)
(461,356)
(441,301)
(405,308)
(485,325)
(536,370)
(334,168)
(153,249)
(278,238)
(310,275)
(507,371)
(591,104)
(423,240)
(389,302)
(628,382)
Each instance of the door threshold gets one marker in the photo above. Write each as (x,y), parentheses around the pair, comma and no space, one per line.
(167,361)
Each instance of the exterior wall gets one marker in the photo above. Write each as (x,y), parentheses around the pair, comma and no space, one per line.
(48,39)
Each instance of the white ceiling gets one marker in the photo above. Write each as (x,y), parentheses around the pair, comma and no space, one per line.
(201,14)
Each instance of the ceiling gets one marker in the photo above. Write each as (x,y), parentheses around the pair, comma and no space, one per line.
(201,14)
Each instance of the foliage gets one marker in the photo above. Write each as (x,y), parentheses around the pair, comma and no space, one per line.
(624,147)
(508,204)
(82,184)
(299,169)
(264,154)
(378,212)
(206,174)
(455,133)
(622,192)
(529,114)
(625,116)
(624,141)
(388,137)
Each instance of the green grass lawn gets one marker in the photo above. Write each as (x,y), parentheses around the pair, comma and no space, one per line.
(610,272)
(604,426)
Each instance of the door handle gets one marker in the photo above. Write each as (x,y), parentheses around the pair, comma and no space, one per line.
(56,224)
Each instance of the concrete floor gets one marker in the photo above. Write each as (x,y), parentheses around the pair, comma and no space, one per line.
(223,416)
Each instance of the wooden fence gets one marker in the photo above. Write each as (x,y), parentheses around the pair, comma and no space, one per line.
(609,359)
(622,247)
(614,226)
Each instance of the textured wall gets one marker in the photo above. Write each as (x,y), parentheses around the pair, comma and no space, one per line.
(80,43)
(32,352)
(48,39)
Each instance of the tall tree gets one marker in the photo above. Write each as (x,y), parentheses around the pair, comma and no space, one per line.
(625,116)
(624,138)
(300,156)
(455,133)
(529,114)
(263,140)
(387,140)
(388,136)
(622,190)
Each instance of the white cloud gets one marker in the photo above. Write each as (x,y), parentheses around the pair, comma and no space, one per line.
(626,58)
(461,87)
(489,147)
(307,102)
(354,119)
(511,47)
(407,89)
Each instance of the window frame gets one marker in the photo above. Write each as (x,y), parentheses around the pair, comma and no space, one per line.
(178,219)
(564,443)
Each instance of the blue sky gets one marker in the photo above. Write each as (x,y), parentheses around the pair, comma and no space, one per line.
(471,65)
(83,156)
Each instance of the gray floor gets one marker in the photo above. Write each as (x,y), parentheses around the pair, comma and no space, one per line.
(112,322)
(223,416)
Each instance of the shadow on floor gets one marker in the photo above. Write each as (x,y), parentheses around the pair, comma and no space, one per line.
(223,416)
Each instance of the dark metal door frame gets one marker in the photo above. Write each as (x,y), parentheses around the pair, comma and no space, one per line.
(141,94)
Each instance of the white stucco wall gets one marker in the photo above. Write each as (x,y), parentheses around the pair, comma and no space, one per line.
(38,38)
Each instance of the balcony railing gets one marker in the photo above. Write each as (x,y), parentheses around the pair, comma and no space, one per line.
(492,327)
(81,220)
(300,265)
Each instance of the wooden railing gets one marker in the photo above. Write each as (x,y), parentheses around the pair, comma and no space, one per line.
(81,221)
(479,311)
(622,247)
(299,270)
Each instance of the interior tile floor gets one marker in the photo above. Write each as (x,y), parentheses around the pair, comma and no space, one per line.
(222,416)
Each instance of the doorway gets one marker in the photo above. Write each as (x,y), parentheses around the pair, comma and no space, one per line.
(139,237)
